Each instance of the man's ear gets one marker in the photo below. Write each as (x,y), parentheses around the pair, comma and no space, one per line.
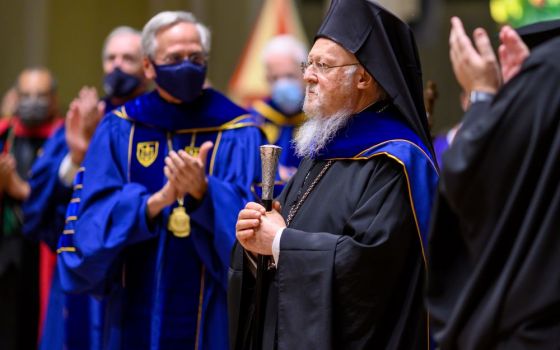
(149,70)
(365,80)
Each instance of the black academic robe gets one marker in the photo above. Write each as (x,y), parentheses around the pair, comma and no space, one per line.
(19,258)
(350,272)
(495,244)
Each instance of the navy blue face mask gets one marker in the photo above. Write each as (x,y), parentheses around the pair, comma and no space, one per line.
(120,84)
(183,80)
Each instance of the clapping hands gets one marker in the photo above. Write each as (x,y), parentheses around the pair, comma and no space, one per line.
(83,115)
(476,66)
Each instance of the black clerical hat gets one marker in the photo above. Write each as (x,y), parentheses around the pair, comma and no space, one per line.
(537,33)
(385,46)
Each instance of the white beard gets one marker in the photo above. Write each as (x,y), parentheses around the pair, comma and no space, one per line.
(320,129)
(317,132)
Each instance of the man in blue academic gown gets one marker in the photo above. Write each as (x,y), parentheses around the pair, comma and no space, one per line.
(72,321)
(151,222)
(347,241)
(281,113)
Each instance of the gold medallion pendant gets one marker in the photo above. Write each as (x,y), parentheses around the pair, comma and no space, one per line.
(179,222)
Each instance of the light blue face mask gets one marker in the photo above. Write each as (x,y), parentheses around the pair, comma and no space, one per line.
(288,95)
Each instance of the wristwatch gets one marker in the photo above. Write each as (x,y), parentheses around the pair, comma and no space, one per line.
(480,96)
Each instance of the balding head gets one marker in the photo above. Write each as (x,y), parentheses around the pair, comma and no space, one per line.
(35,82)
(282,57)
(36,90)
(123,49)
(122,65)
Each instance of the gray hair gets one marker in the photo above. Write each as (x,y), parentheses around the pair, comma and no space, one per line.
(167,19)
(285,44)
(116,32)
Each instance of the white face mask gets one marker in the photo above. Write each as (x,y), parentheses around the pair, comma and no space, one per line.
(288,94)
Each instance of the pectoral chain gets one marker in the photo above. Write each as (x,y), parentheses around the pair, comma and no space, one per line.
(295,208)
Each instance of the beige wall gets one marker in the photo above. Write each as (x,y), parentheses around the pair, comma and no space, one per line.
(64,35)
(11,41)
(77,31)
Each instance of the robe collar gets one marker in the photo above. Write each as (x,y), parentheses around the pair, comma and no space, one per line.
(109,106)
(42,131)
(373,126)
(211,109)
(268,109)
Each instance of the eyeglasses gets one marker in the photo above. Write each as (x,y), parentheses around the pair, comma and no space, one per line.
(198,58)
(322,67)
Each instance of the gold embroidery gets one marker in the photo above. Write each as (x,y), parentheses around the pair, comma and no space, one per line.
(65,249)
(146,152)
(271,131)
(200,303)
(192,151)
(214,152)
(130,145)
(276,117)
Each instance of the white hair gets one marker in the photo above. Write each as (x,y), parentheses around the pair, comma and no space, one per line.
(121,30)
(285,44)
(167,19)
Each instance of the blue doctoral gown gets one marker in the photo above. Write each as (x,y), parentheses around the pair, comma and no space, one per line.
(72,322)
(44,210)
(163,292)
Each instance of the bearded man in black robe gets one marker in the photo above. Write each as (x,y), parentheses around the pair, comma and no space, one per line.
(494,280)
(347,232)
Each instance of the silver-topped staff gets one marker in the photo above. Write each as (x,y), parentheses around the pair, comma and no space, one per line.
(269,165)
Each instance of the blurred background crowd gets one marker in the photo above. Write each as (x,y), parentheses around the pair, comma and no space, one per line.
(66,36)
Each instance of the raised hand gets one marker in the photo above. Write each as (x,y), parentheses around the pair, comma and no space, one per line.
(186,173)
(512,52)
(10,181)
(475,68)
(83,115)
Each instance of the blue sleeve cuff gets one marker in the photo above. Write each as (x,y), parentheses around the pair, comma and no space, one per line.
(148,227)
